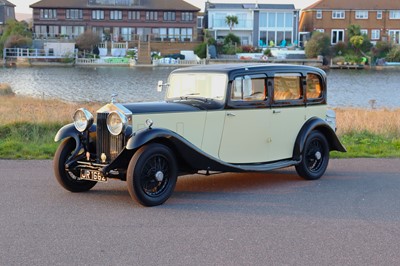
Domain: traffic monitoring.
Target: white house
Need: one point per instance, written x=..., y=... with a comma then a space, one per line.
x=258, y=24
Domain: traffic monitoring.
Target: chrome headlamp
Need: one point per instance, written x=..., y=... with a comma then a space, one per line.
x=116, y=122
x=83, y=119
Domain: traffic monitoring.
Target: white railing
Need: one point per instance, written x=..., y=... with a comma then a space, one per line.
x=35, y=53
x=171, y=61
x=105, y=61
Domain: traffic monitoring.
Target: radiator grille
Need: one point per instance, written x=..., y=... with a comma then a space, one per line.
x=107, y=143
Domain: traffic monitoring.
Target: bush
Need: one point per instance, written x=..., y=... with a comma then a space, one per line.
x=340, y=48
x=319, y=44
x=267, y=52
x=381, y=49
x=201, y=50
x=394, y=54
x=232, y=39
x=231, y=49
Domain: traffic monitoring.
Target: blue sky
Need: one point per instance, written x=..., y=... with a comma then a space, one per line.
x=22, y=6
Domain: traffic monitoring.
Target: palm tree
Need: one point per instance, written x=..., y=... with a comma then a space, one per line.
x=231, y=21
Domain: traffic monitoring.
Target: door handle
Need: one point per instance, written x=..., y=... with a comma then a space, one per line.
x=276, y=112
x=230, y=114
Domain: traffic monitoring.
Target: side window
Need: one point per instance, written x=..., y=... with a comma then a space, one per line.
x=314, y=90
x=247, y=88
x=287, y=87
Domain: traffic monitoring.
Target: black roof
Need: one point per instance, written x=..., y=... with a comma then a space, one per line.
x=232, y=69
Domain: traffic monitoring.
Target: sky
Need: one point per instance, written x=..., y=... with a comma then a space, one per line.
x=22, y=6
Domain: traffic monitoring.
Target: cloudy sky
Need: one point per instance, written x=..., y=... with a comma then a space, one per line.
x=22, y=6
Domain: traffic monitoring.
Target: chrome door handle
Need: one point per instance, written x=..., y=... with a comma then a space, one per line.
x=230, y=114
x=276, y=112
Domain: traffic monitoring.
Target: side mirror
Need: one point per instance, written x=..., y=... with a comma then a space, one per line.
x=160, y=86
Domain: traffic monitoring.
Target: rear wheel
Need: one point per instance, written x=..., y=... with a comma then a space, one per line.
x=315, y=157
x=152, y=174
x=68, y=179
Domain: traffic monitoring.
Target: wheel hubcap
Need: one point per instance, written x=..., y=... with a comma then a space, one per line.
x=318, y=155
x=159, y=176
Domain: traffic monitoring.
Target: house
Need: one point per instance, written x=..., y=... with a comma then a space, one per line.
x=258, y=25
x=378, y=19
x=118, y=20
x=6, y=12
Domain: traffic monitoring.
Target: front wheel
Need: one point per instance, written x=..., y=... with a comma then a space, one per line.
x=152, y=174
x=315, y=157
x=68, y=179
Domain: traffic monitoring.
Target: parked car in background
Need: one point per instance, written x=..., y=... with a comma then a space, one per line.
x=215, y=118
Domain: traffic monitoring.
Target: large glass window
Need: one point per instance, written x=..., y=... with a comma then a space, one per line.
x=116, y=15
x=169, y=16
x=375, y=34
x=361, y=14
x=187, y=16
x=151, y=15
x=337, y=36
x=338, y=14
x=98, y=14
x=394, y=14
x=48, y=13
x=74, y=14
x=133, y=15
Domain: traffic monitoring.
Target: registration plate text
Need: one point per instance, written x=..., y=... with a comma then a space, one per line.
x=92, y=175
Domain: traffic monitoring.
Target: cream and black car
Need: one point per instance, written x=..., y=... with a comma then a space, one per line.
x=215, y=118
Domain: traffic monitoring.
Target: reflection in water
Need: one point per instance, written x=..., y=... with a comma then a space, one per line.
x=357, y=88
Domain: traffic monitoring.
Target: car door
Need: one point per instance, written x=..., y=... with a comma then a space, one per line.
x=245, y=137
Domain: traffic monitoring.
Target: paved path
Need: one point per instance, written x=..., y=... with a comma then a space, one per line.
x=349, y=217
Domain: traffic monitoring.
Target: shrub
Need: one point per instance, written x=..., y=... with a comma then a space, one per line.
x=231, y=39
x=319, y=44
x=267, y=52
x=394, y=54
x=201, y=50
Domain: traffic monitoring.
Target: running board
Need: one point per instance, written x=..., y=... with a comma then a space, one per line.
x=266, y=166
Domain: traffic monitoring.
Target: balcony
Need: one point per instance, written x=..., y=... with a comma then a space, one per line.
x=242, y=25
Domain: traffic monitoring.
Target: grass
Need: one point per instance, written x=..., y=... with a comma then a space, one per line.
x=28, y=127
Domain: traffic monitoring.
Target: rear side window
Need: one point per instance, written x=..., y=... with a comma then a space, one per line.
x=287, y=87
x=314, y=88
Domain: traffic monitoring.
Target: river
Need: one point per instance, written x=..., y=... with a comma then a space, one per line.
x=346, y=88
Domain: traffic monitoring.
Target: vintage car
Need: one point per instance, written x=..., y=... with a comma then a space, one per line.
x=215, y=118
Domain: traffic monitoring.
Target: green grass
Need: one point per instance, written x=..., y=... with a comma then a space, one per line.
x=368, y=145
x=28, y=140
x=36, y=141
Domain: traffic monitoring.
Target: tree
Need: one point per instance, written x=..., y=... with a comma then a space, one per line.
x=319, y=44
x=231, y=21
x=87, y=41
x=15, y=34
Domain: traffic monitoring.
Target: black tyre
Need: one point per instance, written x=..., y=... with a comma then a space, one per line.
x=68, y=179
x=315, y=157
x=152, y=174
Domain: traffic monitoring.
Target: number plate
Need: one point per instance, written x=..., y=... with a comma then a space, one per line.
x=92, y=175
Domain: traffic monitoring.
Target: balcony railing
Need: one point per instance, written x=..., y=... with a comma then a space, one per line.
x=243, y=24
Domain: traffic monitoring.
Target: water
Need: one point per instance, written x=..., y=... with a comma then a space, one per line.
x=346, y=88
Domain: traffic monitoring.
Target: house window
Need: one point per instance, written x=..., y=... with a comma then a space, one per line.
x=98, y=14
x=364, y=32
x=375, y=34
x=151, y=15
x=187, y=16
x=74, y=14
x=379, y=15
x=320, y=30
x=319, y=14
x=338, y=14
x=169, y=16
x=133, y=15
x=337, y=36
x=116, y=15
x=199, y=22
x=48, y=13
x=361, y=14
x=394, y=14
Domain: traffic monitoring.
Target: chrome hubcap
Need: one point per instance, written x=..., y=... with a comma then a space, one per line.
x=159, y=176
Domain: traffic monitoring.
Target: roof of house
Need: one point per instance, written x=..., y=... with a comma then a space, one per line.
x=249, y=6
x=146, y=5
x=6, y=3
x=355, y=5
